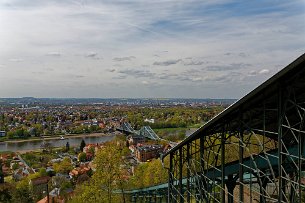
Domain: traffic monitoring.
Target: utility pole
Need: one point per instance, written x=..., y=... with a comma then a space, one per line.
x=1, y=173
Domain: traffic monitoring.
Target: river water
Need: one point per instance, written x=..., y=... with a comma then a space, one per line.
x=36, y=144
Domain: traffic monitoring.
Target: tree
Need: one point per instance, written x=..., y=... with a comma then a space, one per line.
x=65, y=166
x=150, y=173
x=91, y=150
x=15, y=166
x=82, y=178
x=10, y=135
x=63, y=188
x=47, y=146
x=82, y=157
x=67, y=147
x=62, y=183
x=58, y=181
x=109, y=176
x=42, y=172
x=6, y=192
x=22, y=193
x=108, y=161
x=82, y=145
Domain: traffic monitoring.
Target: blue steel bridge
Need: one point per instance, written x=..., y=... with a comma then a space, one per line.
x=254, y=151
x=145, y=131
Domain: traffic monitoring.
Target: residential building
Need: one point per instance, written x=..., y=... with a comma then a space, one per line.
x=2, y=133
x=135, y=139
x=147, y=152
x=151, y=120
x=40, y=185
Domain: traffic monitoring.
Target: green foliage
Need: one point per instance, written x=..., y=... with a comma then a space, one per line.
x=38, y=159
x=10, y=134
x=172, y=117
x=65, y=166
x=64, y=186
x=15, y=166
x=120, y=137
x=82, y=145
x=6, y=191
x=92, y=150
x=23, y=193
x=43, y=172
x=109, y=176
x=62, y=183
x=171, y=134
x=89, y=192
x=82, y=157
x=36, y=130
x=83, y=178
x=148, y=174
x=22, y=125
x=85, y=129
x=58, y=181
x=18, y=133
x=29, y=156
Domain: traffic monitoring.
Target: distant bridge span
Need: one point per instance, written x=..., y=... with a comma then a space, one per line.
x=126, y=128
x=145, y=131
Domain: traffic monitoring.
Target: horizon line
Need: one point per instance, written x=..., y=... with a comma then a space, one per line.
x=113, y=98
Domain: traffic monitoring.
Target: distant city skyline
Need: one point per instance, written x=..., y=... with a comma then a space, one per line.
x=145, y=49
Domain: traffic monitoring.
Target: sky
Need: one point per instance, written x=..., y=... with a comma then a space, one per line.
x=145, y=49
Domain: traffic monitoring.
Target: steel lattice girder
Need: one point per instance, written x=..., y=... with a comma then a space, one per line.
x=264, y=131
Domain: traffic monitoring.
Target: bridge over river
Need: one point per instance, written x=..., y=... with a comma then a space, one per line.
x=145, y=131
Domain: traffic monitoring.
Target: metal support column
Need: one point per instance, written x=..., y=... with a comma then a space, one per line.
x=223, y=192
x=188, y=197
x=241, y=160
x=279, y=117
x=202, y=193
x=300, y=157
x=262, y=198
x=180, y=175
x=231, y=183
x=170, y=178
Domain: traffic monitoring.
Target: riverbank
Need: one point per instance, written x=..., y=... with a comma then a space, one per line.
x=36, y=144
x=34, y=150
x=58, y=137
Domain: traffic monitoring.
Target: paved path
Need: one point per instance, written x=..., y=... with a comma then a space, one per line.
x=21, y=159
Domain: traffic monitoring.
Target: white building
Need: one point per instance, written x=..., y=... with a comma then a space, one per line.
x=149, y=120
x=2, y=133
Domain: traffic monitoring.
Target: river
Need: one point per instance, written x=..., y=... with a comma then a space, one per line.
x=36, y=144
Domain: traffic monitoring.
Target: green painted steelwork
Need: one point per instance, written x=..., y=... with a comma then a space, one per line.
x=254, y=151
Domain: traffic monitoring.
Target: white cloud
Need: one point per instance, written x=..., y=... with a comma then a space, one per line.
x=111, y=70
x=173, y=42
x=53, y=54
x=252, y=73
x=128, y=58
x=91, y=54
x=264, y=71
x=167, y=63
x=196, y=79
x=16, y=60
